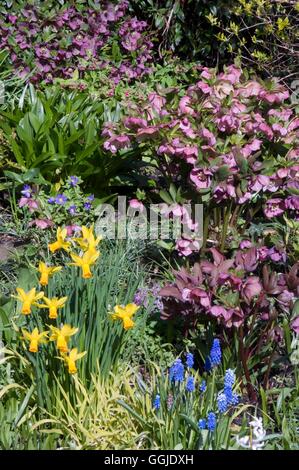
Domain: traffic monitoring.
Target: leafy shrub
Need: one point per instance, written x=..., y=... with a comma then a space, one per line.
x=229, y=142
x=262, y=34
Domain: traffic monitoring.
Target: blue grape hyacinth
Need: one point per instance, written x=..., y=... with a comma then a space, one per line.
x=176, y=372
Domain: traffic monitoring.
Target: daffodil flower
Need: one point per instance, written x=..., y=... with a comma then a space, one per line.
x=53, y=305
x=46, y=272
x=35, y=339
x=28, y=299
x=88, y=242
x=71, y=358
x=84, y=262
x=62, y=336
x=125, y=314
x=60, y=242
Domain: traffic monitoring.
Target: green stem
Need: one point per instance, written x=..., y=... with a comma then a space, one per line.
x=226, y=218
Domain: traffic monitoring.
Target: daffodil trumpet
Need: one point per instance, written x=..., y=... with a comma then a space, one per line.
x=28, y=299
x=46, y=272
x=36, y=338
x=125, y=313
x=53, y=305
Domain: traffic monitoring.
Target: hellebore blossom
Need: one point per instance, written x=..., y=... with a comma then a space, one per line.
x=274, y=208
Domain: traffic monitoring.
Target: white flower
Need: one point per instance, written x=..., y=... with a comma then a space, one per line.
x=257, y=436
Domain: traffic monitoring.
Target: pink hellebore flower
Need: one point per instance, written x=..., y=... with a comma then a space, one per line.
x=252, y=88
x=223, y=88
x=184, y=106
x=185, y=247
x=251, y=288
x=260, y=183
x=157, y=103
x=232, y=74
x=42, y=223
x=208, y=136
x=274, y=208
x=201, y=178
x=201, y=296
x=134, y=123
x=72, y=229
x=117, y=142
x=28, y=202
x=147, y=132
x=230, y=317
x=135, y=204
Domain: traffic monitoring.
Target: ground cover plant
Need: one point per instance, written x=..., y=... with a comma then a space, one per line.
x=149, y=282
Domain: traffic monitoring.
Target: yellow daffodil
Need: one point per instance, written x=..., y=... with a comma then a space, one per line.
x=35, y=339
x=71, y=359
x=125, y=314
x=60, y=242
x=53, y=305
x=88, y=242
x=28, y=299
x=46, y=272
x=84, y=262
x=62, y=336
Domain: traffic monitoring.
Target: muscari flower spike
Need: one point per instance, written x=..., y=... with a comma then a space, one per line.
x=157, y=402
x=189, y=360
x=190, y=384
x=176, y=372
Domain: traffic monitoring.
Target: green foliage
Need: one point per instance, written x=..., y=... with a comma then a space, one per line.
x=58, y=132
x=261, y=33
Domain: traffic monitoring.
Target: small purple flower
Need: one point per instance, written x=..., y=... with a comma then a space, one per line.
x=61, y=199
x=87, y=206
x=90, y=198
x=26, y=191
x=73, y=181
x=73, y=210
x=51, y=200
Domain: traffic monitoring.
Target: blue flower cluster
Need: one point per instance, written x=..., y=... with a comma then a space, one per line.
x=190, y=360
x=215, y=356
x=176, y=372
x=209, y=423
x=227, y=397
x=157, y=402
